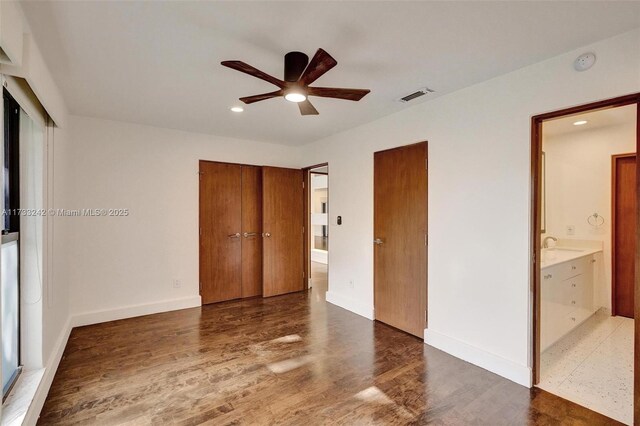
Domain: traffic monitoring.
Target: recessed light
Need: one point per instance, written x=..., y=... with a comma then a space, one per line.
x=580, y=122
x=237, y=109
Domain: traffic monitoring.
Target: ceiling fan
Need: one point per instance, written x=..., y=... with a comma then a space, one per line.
x=299, y=73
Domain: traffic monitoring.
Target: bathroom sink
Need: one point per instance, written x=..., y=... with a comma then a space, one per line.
x=554, y=255
x=563, y=249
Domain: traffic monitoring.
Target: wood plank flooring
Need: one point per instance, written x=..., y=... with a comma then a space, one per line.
x=287, y=360
x=320, y=280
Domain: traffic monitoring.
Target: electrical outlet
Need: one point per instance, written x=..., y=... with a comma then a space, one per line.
x=571, y=229
x=177, y=283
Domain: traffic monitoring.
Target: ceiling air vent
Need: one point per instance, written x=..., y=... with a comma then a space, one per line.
x=416, y=94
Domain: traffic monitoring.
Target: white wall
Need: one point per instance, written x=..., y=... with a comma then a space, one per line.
x=479, y=199
x=122, y=266
x=579, y=184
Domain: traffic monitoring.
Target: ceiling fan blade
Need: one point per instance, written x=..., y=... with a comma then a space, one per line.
x=320, y=64
x=306, y=108
x=262, y=97
x=248, y=69
x=331, y=92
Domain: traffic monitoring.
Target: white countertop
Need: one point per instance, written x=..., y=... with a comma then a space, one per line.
x=556, y=255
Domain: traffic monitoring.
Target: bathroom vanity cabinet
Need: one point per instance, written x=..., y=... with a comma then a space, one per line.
x=567, y=295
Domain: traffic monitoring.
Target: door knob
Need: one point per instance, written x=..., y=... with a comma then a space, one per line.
x=236, y=235
x=378, y=241
x=249, y=234
x=266, y=234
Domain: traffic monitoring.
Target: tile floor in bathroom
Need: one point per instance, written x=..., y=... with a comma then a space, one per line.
x=593, y=366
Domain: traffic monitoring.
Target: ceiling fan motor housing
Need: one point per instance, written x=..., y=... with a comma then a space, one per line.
x=294, y=65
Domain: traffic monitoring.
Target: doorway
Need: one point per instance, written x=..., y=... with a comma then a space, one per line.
x=573, y=240
x=400, y=238
x=317, y=226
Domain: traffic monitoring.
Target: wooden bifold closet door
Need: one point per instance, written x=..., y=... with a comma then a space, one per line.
x=251, y=231
x=230, y=231
x=282, y=224
x=220, y=237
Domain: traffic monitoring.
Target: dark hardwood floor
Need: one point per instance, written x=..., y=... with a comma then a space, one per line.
x=320, y=280
x=291, y=360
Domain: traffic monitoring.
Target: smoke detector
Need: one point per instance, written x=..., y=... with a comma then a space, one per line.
x=584, y=61
x=416, y=94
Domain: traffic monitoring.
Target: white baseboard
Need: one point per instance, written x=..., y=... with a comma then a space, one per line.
x=350, y=305
x=31, y=418
x=96, y=317
x=515, y=372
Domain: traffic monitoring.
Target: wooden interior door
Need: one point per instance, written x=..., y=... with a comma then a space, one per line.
x=282, y=226
x=625, y=212
x=220, y=232
x=400, y=232
x=251, y=231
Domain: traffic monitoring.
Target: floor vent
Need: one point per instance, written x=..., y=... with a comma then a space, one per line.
x=416, y=94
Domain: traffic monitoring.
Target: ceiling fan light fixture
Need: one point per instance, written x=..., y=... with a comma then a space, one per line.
x=295, y=96
x=299, y=74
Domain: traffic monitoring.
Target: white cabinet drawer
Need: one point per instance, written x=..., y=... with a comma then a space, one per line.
x=572, y=290
x=569, y=269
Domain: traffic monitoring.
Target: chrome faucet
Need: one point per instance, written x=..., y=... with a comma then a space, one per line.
x=545, y=242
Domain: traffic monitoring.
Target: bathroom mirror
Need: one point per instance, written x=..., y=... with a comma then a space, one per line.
x=543, y=195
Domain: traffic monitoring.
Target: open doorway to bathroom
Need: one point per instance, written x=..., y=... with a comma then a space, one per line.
x=585, y=244
x=317, y=219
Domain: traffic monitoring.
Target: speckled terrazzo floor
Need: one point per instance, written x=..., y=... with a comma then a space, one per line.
x=593, y=366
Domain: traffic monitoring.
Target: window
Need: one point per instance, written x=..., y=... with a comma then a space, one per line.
x=9, y=280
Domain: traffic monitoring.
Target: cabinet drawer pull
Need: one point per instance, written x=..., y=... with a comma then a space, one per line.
x=573, y=268
x=593, y=261
x=573, y=302
x=573, y=318
x=573, y=284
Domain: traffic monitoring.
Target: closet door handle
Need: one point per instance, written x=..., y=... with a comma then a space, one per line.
x=266, y=234
x=236, y=235
x=249, y=234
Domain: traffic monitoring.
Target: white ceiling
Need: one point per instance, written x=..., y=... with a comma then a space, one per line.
x=158, y=63
x=595, y=120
